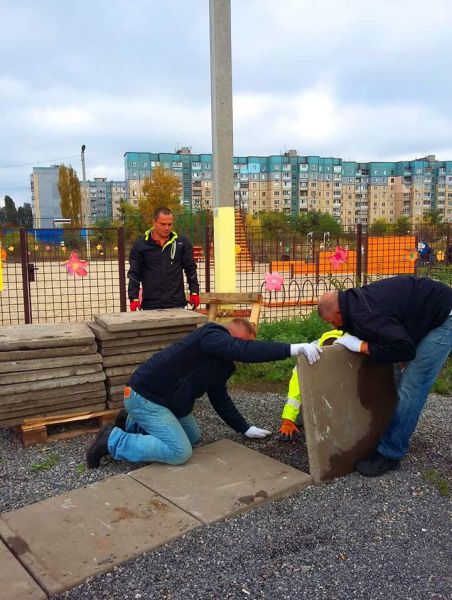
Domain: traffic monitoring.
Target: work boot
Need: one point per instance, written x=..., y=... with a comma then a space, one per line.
x=376, y=464
x=99, y=447
x=121, y=419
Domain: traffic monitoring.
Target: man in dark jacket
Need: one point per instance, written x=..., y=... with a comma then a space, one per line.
x=158, y=261
x=161, y=393
x=404, y=320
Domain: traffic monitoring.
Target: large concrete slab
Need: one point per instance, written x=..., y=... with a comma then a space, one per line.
x=47, y=384
x=140, y=343
x=132, y=358
x=29, y=337
x=44, y=396
x=65, y=539
x=221, y=480
x=109, y=338
x=48, y=352
x=41, y=375
x=93, y=406
x=149, y=319
x=15, y=582
x=37, y=364
x=347, y=404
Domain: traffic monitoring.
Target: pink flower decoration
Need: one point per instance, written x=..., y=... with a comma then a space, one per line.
x=75, y=266
x=273, y=281
x=339, y=257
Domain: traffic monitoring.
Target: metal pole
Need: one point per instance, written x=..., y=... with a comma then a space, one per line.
x=122, y=270
x=86, y=218
x=25, y=281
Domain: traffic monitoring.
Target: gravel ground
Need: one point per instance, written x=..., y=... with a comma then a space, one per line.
x=386, y=538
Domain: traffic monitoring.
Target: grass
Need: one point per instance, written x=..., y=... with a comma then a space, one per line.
x=443, y=385
x=80, y=468
x=51, y=461
x=438, y=480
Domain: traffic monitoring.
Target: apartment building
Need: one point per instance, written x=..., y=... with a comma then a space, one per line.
x=351, y=192
x=45, y=197
x=101, y=198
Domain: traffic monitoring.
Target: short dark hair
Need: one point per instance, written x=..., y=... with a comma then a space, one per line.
x=162, y=210
x=247, y=325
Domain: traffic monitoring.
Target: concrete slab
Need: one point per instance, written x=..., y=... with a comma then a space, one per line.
x=48, y=352
x=348, y=402
x=58, y=373
x=47, y=384
x=65, y=539
x=15, y=582
x=41, y=406
x=52, y=335
x=37, y=364
x=91, y=407
x=132, y=358
x=109, y=338
x=148, y=319
x=140, y=343
x=52, y=395
x=124, y=370
x=222, y=480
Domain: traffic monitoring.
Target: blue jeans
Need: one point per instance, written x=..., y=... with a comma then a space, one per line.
x=413, y=384
x=153, y=434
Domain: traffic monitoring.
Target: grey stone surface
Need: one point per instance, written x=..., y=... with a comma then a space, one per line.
x=61, y=382
x=53, y=335
x=347, y=404
x=108, y=338
x=132, y=358
x=49, y=395
x=123, y=370
x=67, y=538
x=149, y=319
x=58, y=373
x=238, y=479
x=37, y=364
x=48, y=352
x=140, y=343
x=37, y=405
x=15, y=582
x=132, y=346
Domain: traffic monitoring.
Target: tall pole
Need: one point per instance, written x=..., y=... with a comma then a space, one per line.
x=87, y=204
x=222, y=148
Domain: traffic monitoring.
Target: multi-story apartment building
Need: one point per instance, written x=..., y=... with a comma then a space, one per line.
x=351, y=192
x=45, y=197
x=101, y=198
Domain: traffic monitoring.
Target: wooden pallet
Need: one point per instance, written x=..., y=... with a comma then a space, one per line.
x=34, y=430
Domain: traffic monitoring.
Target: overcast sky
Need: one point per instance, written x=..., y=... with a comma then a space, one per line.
x=357, y=79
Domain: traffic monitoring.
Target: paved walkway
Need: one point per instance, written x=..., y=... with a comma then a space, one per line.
x=54, y=545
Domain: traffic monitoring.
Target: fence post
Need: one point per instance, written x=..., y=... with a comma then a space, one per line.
x=207, y=256
x=25, y=283
x=359, y=245
x=122, y=270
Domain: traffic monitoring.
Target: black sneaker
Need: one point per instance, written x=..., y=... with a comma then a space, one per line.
x=99, y=447
x=121, y=419
x=376, y=464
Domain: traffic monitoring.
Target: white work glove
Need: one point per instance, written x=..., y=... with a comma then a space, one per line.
x=350, y=342
x=255, y=432
x=311, y=351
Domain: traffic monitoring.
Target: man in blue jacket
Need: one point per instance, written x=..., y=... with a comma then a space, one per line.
x=161, y=393
x=404, y=320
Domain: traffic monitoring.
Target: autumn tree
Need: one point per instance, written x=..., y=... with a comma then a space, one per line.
x=161, y=188
x=70, y=194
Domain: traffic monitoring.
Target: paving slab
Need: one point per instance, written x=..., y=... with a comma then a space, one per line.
x=141, y=343
x=36, y=364
x=47, y=384
x=41, y=375
x=109, y=338
x=77, y=401
x=44, y=396
x=147, y=319
x=94, y=406
x=29, y=337
x=15, y=582
x=68, y=538
x=124, y=370
x=221, y=480
x=132, y=358
x=348, y=402
x=48, y=352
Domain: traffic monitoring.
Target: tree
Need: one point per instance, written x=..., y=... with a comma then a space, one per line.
x=402, y=226
x=378, y=227
x=161, y=188
x=25, y=216
x=10, y=212
x=132, y=220
x=70, y=194
x=433, y=217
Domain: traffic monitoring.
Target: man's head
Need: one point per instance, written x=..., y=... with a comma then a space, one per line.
x=329, y=310
x=241, y=328
x=163, y=222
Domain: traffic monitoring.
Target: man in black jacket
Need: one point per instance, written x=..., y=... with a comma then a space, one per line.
x=161, y=393
x=158, y=261
x=404, y=320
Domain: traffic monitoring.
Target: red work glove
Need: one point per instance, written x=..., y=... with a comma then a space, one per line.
x=194, y=300
x=288, y=431
x=135, y=305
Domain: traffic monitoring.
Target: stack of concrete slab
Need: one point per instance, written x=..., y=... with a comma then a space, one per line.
x=127, y=340
x=49, y=370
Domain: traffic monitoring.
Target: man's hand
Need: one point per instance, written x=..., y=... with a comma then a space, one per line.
x=288, y=431
x=350, y=342
x=255, y=432
x=135, y=305
x=311, y=351
x=194, y=300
